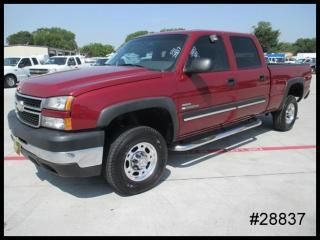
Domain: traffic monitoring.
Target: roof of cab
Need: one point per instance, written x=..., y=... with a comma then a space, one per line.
x=198, y=32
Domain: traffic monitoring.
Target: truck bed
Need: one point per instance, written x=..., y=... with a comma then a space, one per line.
x=280, y=74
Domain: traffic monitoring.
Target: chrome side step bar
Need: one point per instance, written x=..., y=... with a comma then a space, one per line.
x=204, y=141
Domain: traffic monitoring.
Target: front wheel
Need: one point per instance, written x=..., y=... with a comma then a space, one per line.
x=284, y=119
x=10, y=81
x=136, y=160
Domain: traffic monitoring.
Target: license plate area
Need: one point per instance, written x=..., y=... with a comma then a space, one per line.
x=16, y=145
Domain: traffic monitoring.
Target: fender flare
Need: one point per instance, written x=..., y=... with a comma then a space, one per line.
x=11, y=73
x=292, y=81
x=111, y=112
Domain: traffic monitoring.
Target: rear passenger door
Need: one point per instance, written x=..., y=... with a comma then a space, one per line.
x=251, y=76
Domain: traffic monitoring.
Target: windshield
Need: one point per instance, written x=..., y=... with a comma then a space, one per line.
x=56, y=60
x=158, y=53
x=11, y=61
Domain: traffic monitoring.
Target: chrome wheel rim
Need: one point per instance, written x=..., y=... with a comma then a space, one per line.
x=290, y=113
x=140, y=162
x=10, y=81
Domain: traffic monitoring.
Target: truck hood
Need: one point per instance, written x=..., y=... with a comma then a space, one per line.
x=76, y=82
x=9, y=68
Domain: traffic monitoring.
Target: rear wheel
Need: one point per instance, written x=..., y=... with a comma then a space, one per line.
x=284, y=119
x=136, y=160
x=10, y=81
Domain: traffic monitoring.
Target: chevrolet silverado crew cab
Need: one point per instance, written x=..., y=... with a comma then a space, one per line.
x=56, y=64
x=16, y=69
x=177, y=91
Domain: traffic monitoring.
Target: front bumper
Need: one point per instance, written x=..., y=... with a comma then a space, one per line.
x=72, y=154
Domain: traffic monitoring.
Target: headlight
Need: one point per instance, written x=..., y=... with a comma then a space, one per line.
x=56, y=123
x=58, y=103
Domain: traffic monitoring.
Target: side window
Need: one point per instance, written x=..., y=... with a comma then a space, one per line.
x=245, y=52
x=71, y=62
x=25, y=62
x=35, y=61
x=78, y=61
x=205, y=48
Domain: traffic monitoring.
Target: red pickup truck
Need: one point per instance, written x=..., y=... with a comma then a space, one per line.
x=177, y=90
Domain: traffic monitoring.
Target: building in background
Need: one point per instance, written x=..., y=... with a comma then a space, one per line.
x=306, y=55
x=38, y=51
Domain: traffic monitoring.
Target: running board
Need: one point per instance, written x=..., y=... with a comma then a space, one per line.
x=200, y=142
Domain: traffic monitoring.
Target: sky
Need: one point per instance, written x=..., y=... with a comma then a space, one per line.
x=111, y=23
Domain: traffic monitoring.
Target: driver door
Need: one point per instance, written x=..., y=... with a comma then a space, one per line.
x=204, y=97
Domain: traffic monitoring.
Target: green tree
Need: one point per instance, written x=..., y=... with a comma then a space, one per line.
x=171, y=29
x=284, y=47
x=305, y=45
x=96, y=50
x=55, y=37
x=267, y=36
x=135, y=34
x=22, y=37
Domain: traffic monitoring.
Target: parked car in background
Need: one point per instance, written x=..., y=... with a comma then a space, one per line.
x=16, y=69
x=290, y=60
x=100, y=61
x=56, y=64
x=299, y=61
x=312, y=63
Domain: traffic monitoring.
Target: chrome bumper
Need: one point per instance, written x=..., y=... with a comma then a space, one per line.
x=83, y=158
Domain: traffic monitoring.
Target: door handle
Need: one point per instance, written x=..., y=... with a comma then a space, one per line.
x=262, y=78
x=231, y=82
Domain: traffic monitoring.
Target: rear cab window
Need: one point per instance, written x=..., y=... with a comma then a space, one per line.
x=245, y=52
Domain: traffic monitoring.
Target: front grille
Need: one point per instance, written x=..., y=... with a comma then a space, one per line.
x=34, y=71
x=28, y=109
x=30, y=102
x=29, y=118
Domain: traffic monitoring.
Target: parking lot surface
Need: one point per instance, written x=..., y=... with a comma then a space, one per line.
x=204, y=192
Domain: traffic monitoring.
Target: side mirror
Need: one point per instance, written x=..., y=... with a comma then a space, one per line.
x=21, y=65
x=198, y=65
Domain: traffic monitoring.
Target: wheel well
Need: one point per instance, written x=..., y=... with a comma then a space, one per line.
x=11, y=74
x=296, y=90
x=157, y=118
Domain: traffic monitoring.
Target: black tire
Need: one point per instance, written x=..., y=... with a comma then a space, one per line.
x=280, y=121
x=313, y=70
x=114, y=169
x=10, y=81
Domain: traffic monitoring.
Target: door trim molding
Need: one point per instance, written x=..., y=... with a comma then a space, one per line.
x=222, y=108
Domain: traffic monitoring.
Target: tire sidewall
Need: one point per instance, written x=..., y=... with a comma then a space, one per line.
x=290, y=99
x=6, y=81
x=119, y=156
